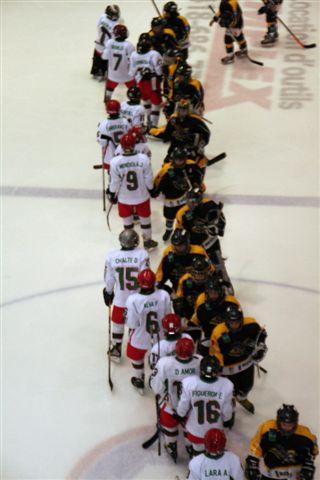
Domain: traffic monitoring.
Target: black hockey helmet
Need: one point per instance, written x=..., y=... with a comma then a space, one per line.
x=194, y=197
x=157, y=22
x=112, y=12
x=144, y=43
x=184, y=71
x=181, y=241
x=120, y=32
x=209, y=368
x=214, y=289
x=171, y=9
x=287, y=414
x=232, y=315
x=200, y=268
x=134, y=94
x=171, y=56
x=129, y=239
x=179, y=156
x=183, y=108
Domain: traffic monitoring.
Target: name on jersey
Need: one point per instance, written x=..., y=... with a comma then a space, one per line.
x=216, y=473
x=131, y=164
x=117, y=47
x=185, y=371
x=201, y=393
x=115, y=127
x=126, y=260
x=150, y=304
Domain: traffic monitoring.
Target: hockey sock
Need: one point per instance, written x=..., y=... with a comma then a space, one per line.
x=170, y=434
x=155, y=114
x=169, y=224
x=138, y=367
x=241, y=42
x=117, y=332
x=145, y=223
x=128, y=222
x=108, y=95
x=147, y=106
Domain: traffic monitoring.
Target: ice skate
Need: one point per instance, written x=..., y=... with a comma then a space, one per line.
x=115, y=353
x=172, y=450
x=242, y=53
x=166, y=236
x=150, y=244
x=247, y=405
x=138, y=383
x=228, y=59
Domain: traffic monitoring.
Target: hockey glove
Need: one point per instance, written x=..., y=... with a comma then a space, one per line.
x=154, y=193
x=108, y=297
x=260, y=352
x=111, y=196
x=252, y=468
x=262, y=10
x=229, y=423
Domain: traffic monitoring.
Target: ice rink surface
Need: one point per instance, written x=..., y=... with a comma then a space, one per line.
x=59, y=418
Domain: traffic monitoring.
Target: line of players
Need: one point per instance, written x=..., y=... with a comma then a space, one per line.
x=200, y=292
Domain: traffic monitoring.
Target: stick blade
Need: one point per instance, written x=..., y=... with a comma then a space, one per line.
x=311, y=45
x=151, y=440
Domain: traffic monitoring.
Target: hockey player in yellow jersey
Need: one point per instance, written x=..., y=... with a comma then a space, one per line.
x=239, y=342
x=177, y=259
x=282, y=448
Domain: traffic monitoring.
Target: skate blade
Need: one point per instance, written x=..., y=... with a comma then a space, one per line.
x=115, y=360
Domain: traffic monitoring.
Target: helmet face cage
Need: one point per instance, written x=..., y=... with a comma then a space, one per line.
x=146, y=279
x=120, y=32
x=215, y=441
x=184, y=71
x=179, y=156
x=185, y=348
x=194, y=197
x=134, y=93
x=171, y=323
x=287, y=414
x=183, y=108
x=200, y=269
x=113, y=107
x=129, y=239
x=113, y=12
x=214, y=289
x=157, y=23
x=233, y=316
x=209, y=368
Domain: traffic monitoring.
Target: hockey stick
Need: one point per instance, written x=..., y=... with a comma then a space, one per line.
x=256, y=62
x=109, y=349
x=103, y=187
x=97, y=167
x=156, y=7
x=299, y=42
x=216, y=159
x=108, y=215
x=151, y=440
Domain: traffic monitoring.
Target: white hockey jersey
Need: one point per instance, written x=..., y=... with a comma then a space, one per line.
x=130, y=178
x=163, y=349
x=118, y=56
x=144, y=314
x=135, y=114
x=210, y=403
x=226, y=467
x=141, y=63
x=109, y=134
x=121, y=272
x=141, y=147
x=169, y=374
x=102, y=38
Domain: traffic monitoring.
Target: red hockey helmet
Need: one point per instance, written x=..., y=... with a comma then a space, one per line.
x=137, y=132
x=171, y=323
x=215, y=441
x=120, y=32
x=128, y=142
x=146, y=279
x=185, y=348
x=113, y=107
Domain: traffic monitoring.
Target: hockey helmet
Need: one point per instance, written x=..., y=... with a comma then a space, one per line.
x=144, y=43
x=200, y=268
x=287, y=419
x=129, y=239
x=146, y=279
x=215, y=441
x=137, y=132
x=209, y=368
x=134, y=94
x=170, y=9
x=120, y=32
x=179, y=156
x=157, y=24
x=194, y=197
x=184, y=108
x=185, y=348
x=171, y=323
x=214, y=289
x=128, y=142
x=181, y=241
x=113, y=12
x=113, y=107
x=170, y=56
x=232, y=315
x=183, y=72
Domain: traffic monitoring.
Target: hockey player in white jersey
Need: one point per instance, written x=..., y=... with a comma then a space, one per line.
x=216, y=463
x=171, y=325
x=209, y=399
x=131, y=181
x=146, y=67
x=141, y=145
x=166, y=379
x=105, y=26
x=132, y=110
x=117, y=52
x=143, y=316
x=121, y=271
x=110, y=132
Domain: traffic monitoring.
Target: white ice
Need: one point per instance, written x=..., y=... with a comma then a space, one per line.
x=59, y=418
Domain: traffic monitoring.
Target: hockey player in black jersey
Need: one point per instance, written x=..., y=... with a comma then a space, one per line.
x=270, y=8
x=179, y=24
x=174, y=180
x=177, y=259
